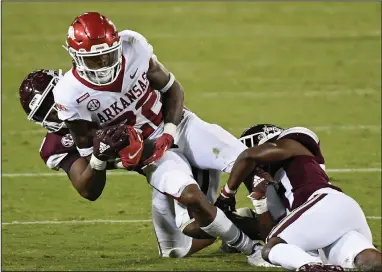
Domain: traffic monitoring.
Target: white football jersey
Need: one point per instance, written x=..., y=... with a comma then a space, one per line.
x=129, y=99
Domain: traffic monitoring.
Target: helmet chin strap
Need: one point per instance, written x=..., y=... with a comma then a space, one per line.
x=95, y=76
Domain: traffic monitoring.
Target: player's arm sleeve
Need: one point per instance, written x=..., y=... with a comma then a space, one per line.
x=67, y=113
x=50, y=153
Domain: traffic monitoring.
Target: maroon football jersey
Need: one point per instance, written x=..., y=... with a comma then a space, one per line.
x=56, y=146
x=301, y=176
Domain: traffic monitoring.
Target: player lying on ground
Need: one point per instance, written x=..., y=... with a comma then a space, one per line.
x=59, y=152
x=321, y=216
x=116, y=78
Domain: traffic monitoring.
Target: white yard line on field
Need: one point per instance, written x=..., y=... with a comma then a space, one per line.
x=315, y=128
x=374, y=128
x=95, y=221
x=346, y=127
x=123, y=173
x=353, y=170
x=55, y=174
x=269, y=94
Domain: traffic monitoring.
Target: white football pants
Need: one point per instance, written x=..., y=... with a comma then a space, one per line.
x=331, y=222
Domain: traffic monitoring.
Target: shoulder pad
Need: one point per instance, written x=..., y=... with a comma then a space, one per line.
x=65, y=90
x=299, y=130
x=133, y=37
x=306, y=137
x=66, y=94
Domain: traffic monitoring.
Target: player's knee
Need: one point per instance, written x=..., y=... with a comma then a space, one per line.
x=269, y=245
x=369, y=260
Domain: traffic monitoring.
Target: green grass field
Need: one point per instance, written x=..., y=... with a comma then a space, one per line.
x=309, y=64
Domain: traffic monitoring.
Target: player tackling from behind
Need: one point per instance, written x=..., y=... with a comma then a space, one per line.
x=117, y=79
x=321, y=216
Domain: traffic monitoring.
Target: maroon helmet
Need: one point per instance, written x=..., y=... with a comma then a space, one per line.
x=94, y=44
x=36, y=98
x=259, y=134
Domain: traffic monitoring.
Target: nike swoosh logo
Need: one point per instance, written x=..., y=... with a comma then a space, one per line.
x=133, y=75
x=135, y=154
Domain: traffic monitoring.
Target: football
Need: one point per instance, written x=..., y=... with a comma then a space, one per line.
x=259, y=184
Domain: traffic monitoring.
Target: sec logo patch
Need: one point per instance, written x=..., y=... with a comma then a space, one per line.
x=93, y=105
x=67, y=140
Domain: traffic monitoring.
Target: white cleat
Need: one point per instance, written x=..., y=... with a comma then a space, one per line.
x=255, y=258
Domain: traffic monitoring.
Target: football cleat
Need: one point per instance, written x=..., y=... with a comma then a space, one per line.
x=319, y=267
x=255, y=259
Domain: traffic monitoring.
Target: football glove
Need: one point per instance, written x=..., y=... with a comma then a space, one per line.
x=131, y=154
x=108, y=141
x=160, y=147
x=226, y=200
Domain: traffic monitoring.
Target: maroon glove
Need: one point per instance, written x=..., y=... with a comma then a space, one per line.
x=260, y=182
x=160, y=147
x=108, y=141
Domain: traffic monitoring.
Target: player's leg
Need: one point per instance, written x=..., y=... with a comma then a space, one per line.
x=208, y=181
x=172, y=175
x=355, y=247
x=316, y=224
x=353, y=250
x=208, y=146
x=171, y=241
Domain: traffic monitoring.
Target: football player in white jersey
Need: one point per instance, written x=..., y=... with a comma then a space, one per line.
x=116, y=79
x=58, y=151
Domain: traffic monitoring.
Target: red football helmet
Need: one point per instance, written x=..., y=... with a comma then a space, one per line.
x=93, y=43
x=36, y=98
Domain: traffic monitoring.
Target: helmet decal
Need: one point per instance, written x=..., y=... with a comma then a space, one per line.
x=71, y=33
x=259, y=134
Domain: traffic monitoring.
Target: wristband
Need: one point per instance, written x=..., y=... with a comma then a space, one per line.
x=169, y=128
x=97, y=164
x=226, y=191
x=171, y=81
x=260, y=205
